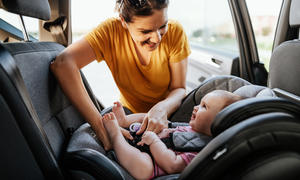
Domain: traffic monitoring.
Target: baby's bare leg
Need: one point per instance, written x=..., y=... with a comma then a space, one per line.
x=123, y=120
x=137, y=163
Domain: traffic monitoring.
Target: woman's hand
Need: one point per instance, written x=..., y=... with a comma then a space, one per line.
x=155, y=121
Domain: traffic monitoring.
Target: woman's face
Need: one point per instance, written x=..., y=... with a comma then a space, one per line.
x=147, y=31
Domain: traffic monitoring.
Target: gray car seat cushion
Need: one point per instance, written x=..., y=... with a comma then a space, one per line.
x=189, y=141
x=55, y=112
x=285, y=67
x=84, y=139
x=225, y=82
x=254, y=91
x=294, y=18
x=168, y=177
x=228, y=83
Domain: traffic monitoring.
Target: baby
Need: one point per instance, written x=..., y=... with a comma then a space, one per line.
x=166, y=161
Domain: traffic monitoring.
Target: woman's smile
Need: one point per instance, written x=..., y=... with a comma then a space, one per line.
x=152, y=45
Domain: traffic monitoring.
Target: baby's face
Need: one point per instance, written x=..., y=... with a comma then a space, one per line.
x=205, y=112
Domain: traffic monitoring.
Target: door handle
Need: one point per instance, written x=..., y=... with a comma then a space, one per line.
x=216, y=61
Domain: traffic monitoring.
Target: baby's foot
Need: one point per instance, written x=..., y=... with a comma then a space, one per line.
x=120, y=114
x=111, y=125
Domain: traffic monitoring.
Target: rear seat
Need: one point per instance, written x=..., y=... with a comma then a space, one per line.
x=37, y=120
x=53, y=110
x=35, y=133
x=41, y=111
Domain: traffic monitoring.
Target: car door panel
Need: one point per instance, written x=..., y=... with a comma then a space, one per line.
x=205, y=63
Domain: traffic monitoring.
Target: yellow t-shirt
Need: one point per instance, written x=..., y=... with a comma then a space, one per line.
x=140, y=86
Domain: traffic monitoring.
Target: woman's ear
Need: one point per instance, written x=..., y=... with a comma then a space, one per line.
x=123, y=22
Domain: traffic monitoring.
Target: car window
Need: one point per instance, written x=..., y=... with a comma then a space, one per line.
x=208, y=23
x=32, y=24
x=264, y=22
x=86, y=15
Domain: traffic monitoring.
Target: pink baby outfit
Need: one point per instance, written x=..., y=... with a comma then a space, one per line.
x=186, y=156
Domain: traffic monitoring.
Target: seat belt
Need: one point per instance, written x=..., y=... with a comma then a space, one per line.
x=57, y=29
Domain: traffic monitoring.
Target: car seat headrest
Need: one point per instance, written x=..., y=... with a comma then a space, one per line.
x=228, y=83
x=254, y=91
x=33, y=8
x=294, y=14
x=241, y=110
x=285, y=67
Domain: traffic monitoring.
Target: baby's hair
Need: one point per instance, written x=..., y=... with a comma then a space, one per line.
x=230, y=97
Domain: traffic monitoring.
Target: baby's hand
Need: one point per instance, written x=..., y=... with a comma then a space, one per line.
x=126, y=133
x=147, y=138
x=165, y=133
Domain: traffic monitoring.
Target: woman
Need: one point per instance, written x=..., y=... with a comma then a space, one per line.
x=147, y=56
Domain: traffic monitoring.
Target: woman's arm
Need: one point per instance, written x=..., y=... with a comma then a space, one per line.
x=156, y=119
x=177, y=86
x=66, y=69
x=164, y=157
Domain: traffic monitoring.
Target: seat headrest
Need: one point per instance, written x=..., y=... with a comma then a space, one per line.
x=295, y=14
x=33, y=8
x=248, y=91
x=285, y=67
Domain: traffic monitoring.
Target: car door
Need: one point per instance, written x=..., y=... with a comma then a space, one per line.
x=223, y=40
x=210, y=30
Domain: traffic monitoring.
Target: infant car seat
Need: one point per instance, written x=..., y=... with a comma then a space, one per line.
x=192, y=141
x=83, y=149
x=226, y=82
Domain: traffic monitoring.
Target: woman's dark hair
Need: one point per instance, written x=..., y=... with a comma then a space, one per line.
x=129, y=8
